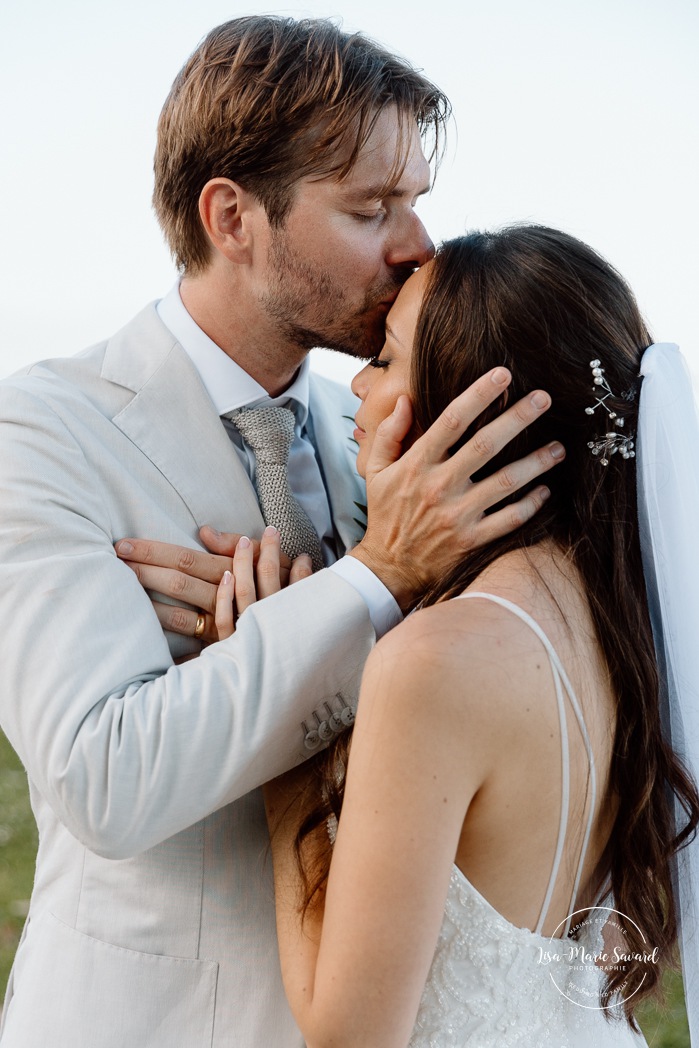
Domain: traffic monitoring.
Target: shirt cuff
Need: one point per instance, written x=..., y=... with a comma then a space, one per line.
x=383, y=609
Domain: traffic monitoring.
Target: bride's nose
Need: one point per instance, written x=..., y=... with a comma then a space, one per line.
x=360, y=383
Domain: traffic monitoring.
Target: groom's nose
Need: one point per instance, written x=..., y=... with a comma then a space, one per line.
x=412, y=246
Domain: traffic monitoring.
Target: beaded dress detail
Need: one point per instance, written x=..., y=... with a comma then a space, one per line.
x=494, y=985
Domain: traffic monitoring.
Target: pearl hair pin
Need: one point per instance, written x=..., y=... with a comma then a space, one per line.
x=612, y=441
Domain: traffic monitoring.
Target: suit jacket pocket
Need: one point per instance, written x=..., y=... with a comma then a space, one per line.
x=73, y=991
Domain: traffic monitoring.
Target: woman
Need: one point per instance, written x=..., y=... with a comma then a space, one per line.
x=507, y=768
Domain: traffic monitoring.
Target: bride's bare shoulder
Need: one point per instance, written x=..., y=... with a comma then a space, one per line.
x=471, y=624
x=472, y=650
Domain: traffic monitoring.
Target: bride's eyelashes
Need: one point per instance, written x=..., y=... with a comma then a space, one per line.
x=377, y=362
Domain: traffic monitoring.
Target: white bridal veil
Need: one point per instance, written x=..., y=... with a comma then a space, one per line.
x=668, y=490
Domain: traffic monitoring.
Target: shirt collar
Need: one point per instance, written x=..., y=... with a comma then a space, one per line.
x=228, y=385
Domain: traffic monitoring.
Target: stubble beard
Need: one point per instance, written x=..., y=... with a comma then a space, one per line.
x=299, y=289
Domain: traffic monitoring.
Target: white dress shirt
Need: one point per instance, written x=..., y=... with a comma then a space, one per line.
x=230, y=387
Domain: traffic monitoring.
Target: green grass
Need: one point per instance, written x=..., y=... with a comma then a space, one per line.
x=18, y=842
x=666, y=1028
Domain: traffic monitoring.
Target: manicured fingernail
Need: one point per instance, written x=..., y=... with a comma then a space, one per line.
x=270, y=530
x=540, y=400
x=226, y=580
x=124, y=549
x=557, y=450
x=244, y=542
x=544, y=494
x=499, y=376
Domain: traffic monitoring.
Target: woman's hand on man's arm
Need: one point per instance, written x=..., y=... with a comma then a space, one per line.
x=195, y=577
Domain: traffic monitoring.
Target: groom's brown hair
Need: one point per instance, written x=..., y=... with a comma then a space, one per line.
x=265, y=101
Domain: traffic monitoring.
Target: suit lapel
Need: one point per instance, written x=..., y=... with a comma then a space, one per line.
x=337, y=452
x=173, y=422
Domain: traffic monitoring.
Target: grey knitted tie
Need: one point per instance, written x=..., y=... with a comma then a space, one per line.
x=269, y=431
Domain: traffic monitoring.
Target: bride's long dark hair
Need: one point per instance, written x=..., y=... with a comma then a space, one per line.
x=544, y=304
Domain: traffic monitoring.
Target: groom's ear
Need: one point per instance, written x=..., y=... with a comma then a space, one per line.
x=230, y=216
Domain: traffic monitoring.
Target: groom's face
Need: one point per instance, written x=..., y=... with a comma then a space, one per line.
x=347, y=247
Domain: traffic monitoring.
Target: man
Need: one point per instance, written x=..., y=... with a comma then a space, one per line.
x=287, y=168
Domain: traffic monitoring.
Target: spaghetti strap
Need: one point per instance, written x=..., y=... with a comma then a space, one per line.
x=561, y=683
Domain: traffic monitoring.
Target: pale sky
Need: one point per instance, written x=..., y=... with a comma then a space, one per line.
x=581, y=115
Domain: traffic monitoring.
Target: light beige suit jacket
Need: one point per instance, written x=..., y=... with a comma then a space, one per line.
x=152, y=919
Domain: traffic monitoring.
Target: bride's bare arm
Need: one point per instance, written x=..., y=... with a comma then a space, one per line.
x=355, y=971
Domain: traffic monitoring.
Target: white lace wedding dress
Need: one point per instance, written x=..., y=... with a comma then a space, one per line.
x=490, y=985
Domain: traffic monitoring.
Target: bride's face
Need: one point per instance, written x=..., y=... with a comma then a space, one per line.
x=387, y=376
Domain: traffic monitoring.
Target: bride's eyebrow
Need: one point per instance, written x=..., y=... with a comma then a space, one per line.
x=391, y=332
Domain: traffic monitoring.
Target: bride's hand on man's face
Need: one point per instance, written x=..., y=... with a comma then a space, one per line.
x=193, y=577
x=248, y=582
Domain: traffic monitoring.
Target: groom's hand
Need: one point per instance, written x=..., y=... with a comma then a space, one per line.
x=424, y=511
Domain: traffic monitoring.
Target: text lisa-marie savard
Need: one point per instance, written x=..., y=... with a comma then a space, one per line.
x=582, y=956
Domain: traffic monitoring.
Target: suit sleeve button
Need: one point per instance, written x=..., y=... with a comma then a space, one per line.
x=325, y=731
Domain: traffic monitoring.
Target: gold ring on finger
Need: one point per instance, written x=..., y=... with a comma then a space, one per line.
x=200, y=626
